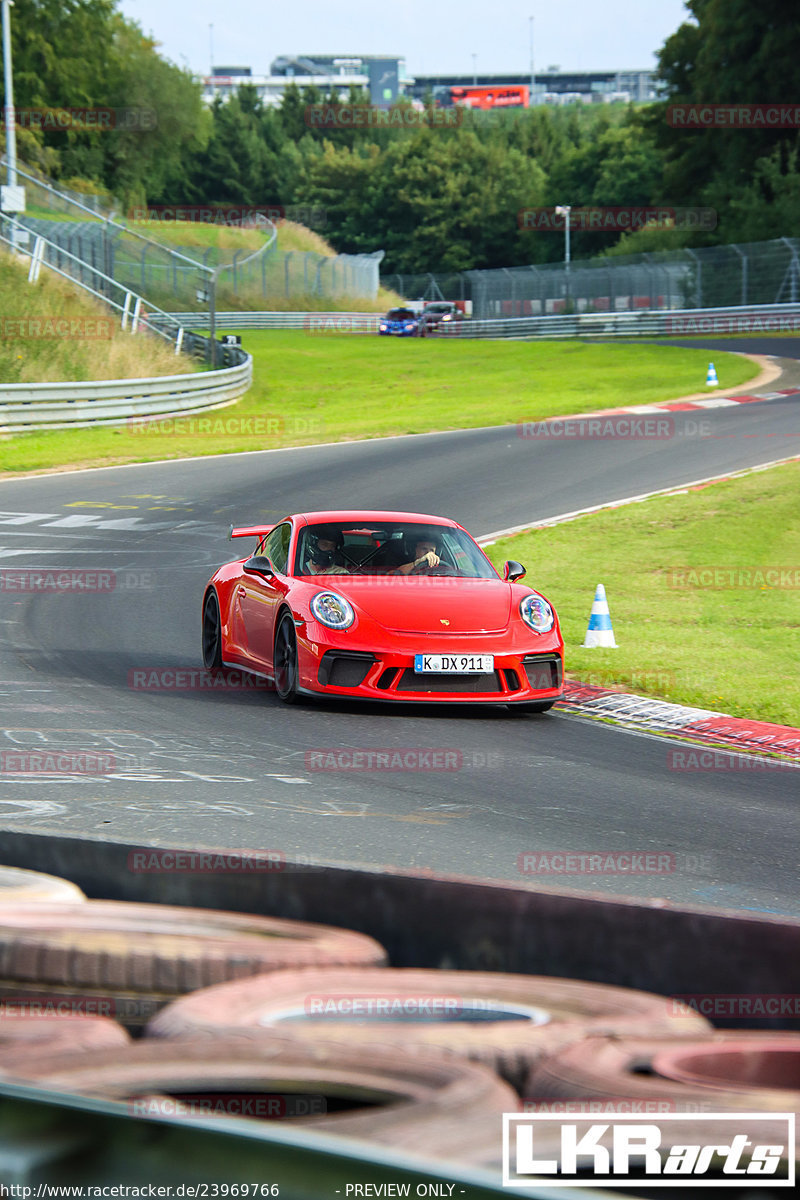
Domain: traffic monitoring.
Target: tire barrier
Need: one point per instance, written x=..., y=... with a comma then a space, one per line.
x=445, y=1108
x=18, y=885
x=507, y=1022
x=29, y=1037
x=139, y=956
x=751, y=1070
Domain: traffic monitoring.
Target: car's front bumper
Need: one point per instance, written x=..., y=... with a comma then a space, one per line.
x=389, y=675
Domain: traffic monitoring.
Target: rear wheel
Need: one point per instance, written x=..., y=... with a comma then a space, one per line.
x=212, y=633
x=284, y=662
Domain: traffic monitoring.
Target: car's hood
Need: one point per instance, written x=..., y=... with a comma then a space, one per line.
x=438, y=604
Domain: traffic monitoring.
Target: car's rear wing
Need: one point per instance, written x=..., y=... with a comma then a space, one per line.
x=259, y=531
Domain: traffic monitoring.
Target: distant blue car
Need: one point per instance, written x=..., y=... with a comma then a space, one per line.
x=401, y=322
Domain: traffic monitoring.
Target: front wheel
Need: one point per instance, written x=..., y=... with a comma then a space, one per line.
x=212, y=633
x=284, y=663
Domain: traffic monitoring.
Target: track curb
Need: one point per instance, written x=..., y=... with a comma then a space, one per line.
x=773, y=744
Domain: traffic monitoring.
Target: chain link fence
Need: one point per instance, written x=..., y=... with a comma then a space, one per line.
x=711, y=277
x=257, y=276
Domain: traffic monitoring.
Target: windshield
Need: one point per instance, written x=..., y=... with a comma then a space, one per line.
x=391, y=548
x=400, y=314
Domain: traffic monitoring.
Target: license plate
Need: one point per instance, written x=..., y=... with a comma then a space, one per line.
x=453, y=664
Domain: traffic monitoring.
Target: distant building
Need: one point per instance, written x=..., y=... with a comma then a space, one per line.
x=553, y=86
x=385, y=78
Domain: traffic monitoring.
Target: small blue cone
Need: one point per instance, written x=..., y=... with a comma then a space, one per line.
x=711, y=377
x=600, y=631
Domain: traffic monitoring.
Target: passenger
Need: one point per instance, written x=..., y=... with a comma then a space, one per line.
x=322, y=560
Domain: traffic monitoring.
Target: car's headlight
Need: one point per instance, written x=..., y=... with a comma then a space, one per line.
x=537, y=614
x=332, y=610
x=384, y=326
x=447, y=317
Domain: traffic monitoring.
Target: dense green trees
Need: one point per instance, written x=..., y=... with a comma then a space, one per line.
x=434, y=198
x=734, y=52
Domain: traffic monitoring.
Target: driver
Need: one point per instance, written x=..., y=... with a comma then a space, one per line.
x=324, y=543
x=425, y=558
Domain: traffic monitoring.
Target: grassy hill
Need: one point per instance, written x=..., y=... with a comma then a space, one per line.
x=196, y=239
x=53, y=331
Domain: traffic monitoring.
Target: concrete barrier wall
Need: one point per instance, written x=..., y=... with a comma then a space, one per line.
x=429, y=921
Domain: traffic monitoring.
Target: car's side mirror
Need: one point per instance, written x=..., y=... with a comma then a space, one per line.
x=513, y=571
x=259, y=564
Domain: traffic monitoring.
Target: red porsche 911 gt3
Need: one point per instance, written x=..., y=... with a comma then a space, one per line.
x=382, y=606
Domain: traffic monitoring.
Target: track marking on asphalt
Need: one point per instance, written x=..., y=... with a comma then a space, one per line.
x=488, y=539
x=359, y=808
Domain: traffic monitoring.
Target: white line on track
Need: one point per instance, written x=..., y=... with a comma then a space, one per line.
x=489, y=539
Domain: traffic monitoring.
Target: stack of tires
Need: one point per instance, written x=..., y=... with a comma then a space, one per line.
x=256, y=1017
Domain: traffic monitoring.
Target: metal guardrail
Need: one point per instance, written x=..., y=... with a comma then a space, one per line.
x=27, y=406
x=316, y=322
x=765, y=318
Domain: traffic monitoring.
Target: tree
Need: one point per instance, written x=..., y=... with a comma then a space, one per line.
x=732, y=52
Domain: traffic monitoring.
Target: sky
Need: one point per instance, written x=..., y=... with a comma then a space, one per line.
x=432, y=36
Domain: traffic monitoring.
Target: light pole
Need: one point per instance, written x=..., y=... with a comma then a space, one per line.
x=563, y=210
x=474, y=70
x=533, y=76
x=11, y=125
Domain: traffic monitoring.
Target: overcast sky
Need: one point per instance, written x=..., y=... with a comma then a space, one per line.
x=432, y=35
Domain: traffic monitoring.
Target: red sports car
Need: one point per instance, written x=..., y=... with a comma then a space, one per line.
x=382, y=606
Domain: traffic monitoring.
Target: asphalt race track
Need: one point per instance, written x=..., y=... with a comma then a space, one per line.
x=237, y=769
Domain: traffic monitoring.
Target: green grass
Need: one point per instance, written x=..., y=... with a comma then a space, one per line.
x=53, y=331
x=343, y=387
x=734, y=647
x=339, y=387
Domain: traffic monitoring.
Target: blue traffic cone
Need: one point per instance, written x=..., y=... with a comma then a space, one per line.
x=711, y=377
x=600, y=631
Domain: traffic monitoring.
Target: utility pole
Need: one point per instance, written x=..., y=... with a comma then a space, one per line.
x=563, y=210
x=11, y=121
x=533, y=75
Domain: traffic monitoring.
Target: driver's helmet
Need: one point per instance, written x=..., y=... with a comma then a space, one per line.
x=324, y=533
